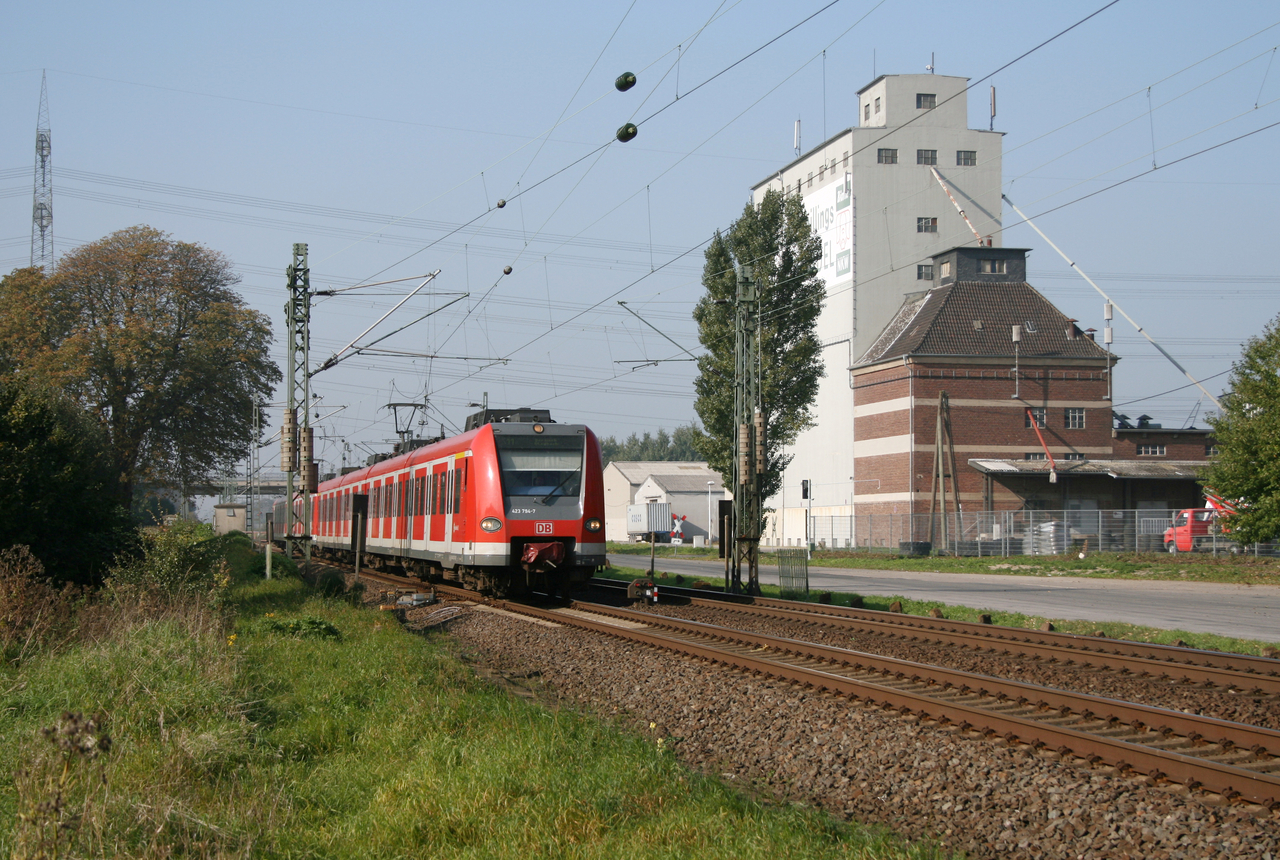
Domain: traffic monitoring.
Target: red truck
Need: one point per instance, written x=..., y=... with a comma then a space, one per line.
x=1195, y=528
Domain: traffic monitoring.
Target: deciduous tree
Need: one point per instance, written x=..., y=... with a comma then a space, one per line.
x=147, y=334
x=776, y=240
x=1247, y=433
x=678, y=445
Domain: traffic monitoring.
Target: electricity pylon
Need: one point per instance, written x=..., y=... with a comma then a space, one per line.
x=42, y=203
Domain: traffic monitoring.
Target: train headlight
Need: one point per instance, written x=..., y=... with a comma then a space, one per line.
x=491, y=524
x=593, y=525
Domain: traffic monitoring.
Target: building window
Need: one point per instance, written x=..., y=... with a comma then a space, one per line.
x=924, y=272
x=1072, y=456
x=991, y=267
x=926, y=101
x=810, y=180
x=926, y=156
x=822, y=171
x=966, y=158
x=1034, y=455
x=846, y=159
x=1210, y=450
x=877, y=105
x=866, y=112
x=1150, y=450
x=926, y=225
x=887, y=156
x=1073, y=418
x=946, y=268
x=1036, y=412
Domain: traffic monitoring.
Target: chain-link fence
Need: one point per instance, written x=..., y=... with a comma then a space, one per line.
x=1005, y=533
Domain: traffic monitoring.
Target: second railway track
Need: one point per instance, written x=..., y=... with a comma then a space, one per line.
x=1237, y=672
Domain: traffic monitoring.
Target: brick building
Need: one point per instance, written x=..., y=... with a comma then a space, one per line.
x=957, y=340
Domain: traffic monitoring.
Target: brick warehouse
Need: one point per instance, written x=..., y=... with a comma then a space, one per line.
x=958, y=338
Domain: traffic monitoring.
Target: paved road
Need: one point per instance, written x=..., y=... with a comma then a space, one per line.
x=1243, y=611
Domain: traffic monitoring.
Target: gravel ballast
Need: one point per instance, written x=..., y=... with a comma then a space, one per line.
x=924, y=781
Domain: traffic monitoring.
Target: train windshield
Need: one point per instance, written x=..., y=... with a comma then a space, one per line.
x=540, y=465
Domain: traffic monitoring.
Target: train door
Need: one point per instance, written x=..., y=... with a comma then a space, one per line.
x=439, y=472
x=419, y=504
x=403, y=511
x=384, y=515
x=461, y=502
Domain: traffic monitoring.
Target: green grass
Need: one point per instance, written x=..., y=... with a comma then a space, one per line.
x=308, y=727
x=1113, y=629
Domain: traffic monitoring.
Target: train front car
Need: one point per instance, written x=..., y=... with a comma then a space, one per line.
x=543, y=511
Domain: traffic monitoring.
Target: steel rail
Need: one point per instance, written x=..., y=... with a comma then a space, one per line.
x=1186, y=725
x=1229, y=780
x=1261, y=671
x=1062, y=656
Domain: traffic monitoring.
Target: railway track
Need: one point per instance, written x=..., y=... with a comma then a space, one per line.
x=1243, y=673
x=1230, y=759
x=1233, y=760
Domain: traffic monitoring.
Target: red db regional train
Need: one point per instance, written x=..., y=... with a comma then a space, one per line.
x=515, y=503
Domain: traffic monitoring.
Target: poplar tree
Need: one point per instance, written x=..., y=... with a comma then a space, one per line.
x=775, y=238
x=1246, y=468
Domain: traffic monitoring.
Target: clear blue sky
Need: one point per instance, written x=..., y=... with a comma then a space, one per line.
x=372, y=132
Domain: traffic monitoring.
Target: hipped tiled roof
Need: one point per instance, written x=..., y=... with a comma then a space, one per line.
x=975, y=319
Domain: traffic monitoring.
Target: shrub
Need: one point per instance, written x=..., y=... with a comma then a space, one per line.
x=32, y=611
x=306, y=627
x=282, y=567
x=331, y=583
x=180, y=560
x=55, y=483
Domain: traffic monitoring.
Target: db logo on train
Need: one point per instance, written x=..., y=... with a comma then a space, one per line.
x=542, y=528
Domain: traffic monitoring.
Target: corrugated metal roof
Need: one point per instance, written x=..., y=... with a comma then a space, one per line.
x=636, y=471
x=973, y=318
x=690, y=483
x=1125, y=469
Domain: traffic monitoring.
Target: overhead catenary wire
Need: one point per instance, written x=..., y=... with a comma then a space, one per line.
x=1103, y=293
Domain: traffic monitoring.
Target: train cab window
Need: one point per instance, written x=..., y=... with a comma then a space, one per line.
x=544, y=466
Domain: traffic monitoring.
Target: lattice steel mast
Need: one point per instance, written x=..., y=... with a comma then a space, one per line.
x=296, y=442
x=42, y=203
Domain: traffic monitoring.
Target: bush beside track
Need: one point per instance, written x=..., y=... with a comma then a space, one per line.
x=193, y=708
